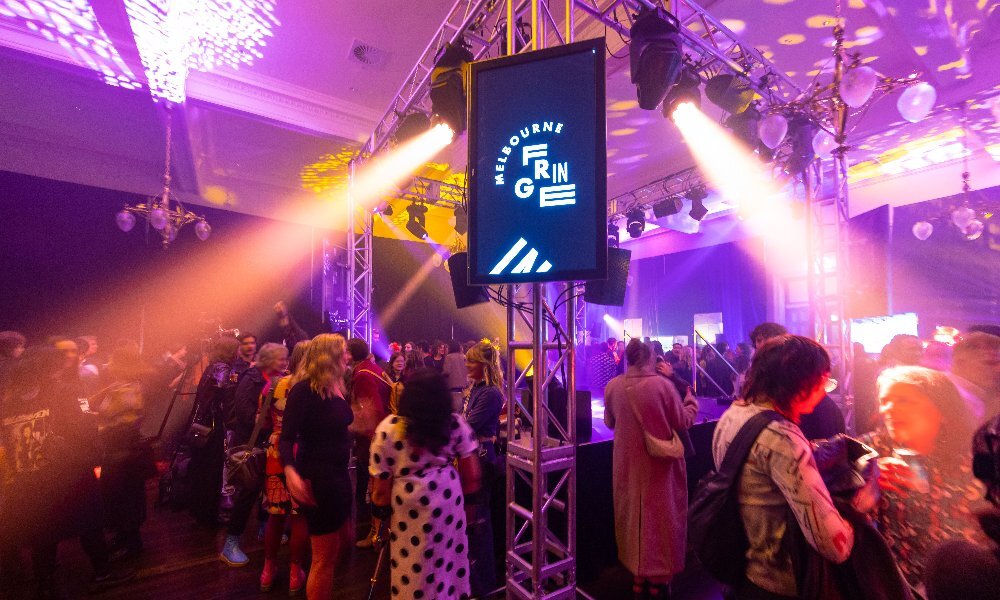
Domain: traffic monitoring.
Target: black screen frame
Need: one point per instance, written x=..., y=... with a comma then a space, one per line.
x=596, y=47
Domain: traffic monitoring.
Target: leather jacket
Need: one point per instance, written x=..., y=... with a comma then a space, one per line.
x=215, y=391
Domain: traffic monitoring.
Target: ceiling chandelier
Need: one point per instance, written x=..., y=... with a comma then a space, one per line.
x=162, y=213
x=967, y=215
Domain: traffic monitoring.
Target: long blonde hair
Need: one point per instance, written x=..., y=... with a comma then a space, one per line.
x=485, y=353
x=324, y=364
x=297, y=362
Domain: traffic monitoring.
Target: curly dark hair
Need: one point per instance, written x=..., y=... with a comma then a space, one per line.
x=426, y=408
x=784, y=367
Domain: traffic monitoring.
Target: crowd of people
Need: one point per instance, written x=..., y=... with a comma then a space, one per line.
x=313, y=434
x=714, y=369
x=316, y=434
x=876, y=516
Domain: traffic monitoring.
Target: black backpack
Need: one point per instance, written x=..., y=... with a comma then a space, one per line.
x=715, y=528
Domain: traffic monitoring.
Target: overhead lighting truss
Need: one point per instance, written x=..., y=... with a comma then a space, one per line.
x=673, y=185
x=482, y=24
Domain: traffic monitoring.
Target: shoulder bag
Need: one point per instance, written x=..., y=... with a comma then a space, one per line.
x=246, y=462
x=657, y=448
x=715, y=527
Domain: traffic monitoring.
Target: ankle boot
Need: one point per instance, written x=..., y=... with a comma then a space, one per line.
x=231, y=553
x=639, y=590
x=267, y=575
x=369, y=540
x=296, y=580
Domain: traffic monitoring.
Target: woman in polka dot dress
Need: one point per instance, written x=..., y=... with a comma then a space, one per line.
x=417, y=478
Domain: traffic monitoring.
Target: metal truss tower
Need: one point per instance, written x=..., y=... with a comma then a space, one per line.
x=359, y=264
x=541, y=465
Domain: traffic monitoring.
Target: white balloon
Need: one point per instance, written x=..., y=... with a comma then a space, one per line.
x=974, y=230
x=916, y=101
x=857, y=86
x=962, y=217
x=772, y=130
x=922, y=230
x=823, y=143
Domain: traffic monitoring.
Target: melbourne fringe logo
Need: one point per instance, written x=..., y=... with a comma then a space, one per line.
x=535, y=166
x=531, y=160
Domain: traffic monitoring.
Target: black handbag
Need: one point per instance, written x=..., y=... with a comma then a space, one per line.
x=246, y=463
x=715, y=527
x=198, y=435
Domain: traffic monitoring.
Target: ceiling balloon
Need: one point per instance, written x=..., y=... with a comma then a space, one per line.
x=922, y=230
x=916, y=101
x=823, y=143
x=772, y=130
x=858, y=85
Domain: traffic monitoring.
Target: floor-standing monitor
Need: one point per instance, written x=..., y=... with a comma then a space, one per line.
x=538, y=172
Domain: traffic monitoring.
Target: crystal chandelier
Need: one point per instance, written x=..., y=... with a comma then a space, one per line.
x=967, y=216
x=163, y=213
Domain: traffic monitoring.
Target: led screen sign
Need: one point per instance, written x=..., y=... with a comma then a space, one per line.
x=537, y=181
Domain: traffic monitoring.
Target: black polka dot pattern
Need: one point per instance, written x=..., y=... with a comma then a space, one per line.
x=428, y=549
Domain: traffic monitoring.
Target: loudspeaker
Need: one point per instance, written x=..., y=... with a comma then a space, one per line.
x=584, y=416
x=610, y=291
x=465, y=294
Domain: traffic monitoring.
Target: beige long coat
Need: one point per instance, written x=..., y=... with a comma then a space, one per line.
x=650, y=494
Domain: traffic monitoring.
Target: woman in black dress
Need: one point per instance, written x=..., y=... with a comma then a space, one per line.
x=316, y=419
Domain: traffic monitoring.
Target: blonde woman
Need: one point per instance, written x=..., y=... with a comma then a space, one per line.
x=482, y=412
x=316, y=418
x=278, y=502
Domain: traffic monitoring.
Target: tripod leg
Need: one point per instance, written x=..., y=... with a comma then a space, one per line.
x=383, y=543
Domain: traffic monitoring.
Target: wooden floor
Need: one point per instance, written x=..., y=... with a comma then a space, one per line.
x=180, y=562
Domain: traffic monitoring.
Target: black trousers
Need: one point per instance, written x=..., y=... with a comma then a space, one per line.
x=244, y=499
x=205, y=475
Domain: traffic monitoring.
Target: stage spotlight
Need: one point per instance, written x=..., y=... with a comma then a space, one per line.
x=635, y=220
x=729, y=92
x=655, y=56
x=801, y=131
x=417, y=221
x=744, y=126
x=697, y=197
x=461, y=220
x=686, y=90
x=612, y=235
x=665, y=208
x=410, y=126
x=448, y=86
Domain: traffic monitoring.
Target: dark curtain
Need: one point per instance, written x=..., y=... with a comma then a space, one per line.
x=667, y=291
x=946, y=279
x=66, y=269
x=413, y=298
